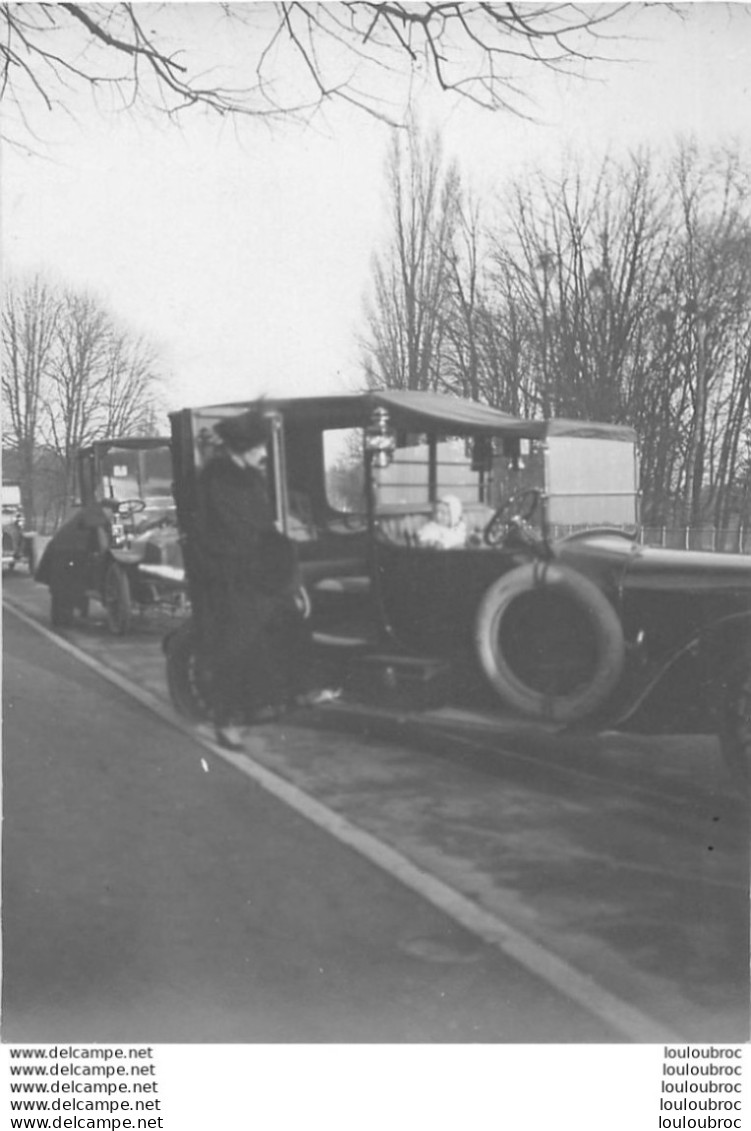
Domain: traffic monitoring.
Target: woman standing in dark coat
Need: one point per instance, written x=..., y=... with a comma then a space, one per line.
x=252, y=628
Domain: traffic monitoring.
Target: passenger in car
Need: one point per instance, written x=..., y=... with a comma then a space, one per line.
x=447, y=530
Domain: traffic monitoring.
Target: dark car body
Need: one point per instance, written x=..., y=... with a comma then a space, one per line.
x=120, y=545
x=15, y=541
x=558, y=614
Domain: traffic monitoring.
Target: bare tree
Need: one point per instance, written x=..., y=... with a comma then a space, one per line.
x=101, y=381
x=29, y=326
x=461, y=370
x=407, y=315
x=130, y=401
x=71, y=375
x=632, y=295
x=712, y=292
x=76, y=379
x=294, y=57
x=623, y=299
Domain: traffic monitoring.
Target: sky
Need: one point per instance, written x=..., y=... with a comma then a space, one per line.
x=244, y=253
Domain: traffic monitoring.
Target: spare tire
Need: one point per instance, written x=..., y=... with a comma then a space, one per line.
x=550, y=642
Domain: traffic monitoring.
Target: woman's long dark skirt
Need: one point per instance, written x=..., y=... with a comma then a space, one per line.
x=258, y=649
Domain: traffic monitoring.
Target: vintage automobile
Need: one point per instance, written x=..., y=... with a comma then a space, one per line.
x=550, y=608
x=121, y=545
x=15, y=541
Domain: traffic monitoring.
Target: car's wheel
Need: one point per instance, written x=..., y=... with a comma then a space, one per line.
x=549, y=642
x=188, y=678
x=117, y=600
x=61, y=607
x=735, y=733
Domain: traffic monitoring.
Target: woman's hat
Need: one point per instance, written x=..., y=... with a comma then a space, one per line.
x=243, y=432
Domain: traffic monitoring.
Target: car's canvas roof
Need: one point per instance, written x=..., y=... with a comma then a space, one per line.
x=129, y=443
x=416, y=411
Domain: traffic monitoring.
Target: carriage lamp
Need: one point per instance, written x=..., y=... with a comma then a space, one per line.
x=380, y=441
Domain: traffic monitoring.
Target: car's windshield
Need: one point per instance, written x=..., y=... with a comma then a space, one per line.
x=457, y=470
x=128, y=473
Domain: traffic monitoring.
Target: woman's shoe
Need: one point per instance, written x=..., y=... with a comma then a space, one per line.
x=229, y=738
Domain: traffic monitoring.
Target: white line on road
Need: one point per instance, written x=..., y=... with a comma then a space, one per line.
x=622, y=1018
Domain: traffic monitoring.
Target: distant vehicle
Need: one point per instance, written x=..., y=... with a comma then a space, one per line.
x=15, y=542
x=588, y=628
x=121, y=545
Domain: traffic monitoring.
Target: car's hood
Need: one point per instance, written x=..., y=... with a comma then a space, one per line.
x=628, y=565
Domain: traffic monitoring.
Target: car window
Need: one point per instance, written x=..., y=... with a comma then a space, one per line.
x=406, y=481
x=344, y=471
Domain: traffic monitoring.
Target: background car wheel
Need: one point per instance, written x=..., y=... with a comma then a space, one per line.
x=188, y=678
x=549, y=642
x=117, y=600
x=735, y=734
x=61, y=608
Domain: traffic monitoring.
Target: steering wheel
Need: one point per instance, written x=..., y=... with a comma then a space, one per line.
x=514, y=515
x=129, y=507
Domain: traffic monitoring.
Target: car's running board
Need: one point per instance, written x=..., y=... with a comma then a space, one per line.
x=163, y=573
x=332, y=641
x=343, y=585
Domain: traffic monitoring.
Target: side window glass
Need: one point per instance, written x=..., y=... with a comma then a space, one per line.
x=405, y=482
x=344, y=470
x=458, y=471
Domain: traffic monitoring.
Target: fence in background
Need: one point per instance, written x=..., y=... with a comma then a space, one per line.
x=730, y=540
x=733, y=540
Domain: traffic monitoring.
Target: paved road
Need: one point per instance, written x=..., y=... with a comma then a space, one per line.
x=146, y=899
x=624, y=858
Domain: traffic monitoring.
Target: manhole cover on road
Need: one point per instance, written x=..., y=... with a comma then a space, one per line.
x=434, y=949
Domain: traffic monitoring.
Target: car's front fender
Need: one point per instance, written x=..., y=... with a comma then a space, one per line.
x=126, y=557
x=711, y=654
